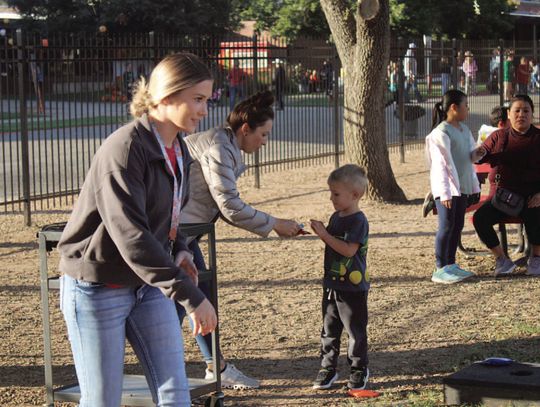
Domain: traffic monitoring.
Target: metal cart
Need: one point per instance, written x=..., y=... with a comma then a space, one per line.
x=135, y=389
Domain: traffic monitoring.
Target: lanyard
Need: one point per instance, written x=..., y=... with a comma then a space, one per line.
x=177, y=186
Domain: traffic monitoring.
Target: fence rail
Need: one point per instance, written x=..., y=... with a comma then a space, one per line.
x=61, y=96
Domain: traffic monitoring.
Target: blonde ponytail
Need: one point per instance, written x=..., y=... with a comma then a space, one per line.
x=142, y=100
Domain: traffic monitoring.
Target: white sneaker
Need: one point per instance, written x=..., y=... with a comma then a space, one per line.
x=232, y=378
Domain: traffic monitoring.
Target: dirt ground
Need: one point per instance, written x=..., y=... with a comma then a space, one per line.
x=270, y=293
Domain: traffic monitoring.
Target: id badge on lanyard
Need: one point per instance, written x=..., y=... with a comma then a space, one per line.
x=177, y=186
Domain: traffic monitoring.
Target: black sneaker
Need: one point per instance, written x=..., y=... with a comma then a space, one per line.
x=358, y=379
x=428, y=205
x=325, y=378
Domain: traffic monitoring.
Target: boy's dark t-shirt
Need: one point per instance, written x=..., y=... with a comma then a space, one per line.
x=347, y=273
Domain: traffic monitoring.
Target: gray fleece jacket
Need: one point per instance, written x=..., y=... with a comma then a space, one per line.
x=217, y=166
x=118, y=230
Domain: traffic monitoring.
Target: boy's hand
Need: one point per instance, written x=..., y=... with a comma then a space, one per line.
x=318, y=227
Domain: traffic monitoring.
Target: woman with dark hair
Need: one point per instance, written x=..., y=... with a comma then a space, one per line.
x=450, y=148
x=515, y=152
x=218, y=164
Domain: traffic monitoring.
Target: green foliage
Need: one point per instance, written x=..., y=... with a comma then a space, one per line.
x=301, y=17
x=264, y=12
x=451, y=18
x=173, y=16
x=286, y=18
x=444, y=19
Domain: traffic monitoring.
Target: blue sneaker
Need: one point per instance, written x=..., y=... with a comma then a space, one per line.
x=455, y=269
x=444, y=275
x=503, y=266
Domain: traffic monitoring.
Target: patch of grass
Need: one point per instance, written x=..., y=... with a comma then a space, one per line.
x=523, y=328
x=9, y=116
x=311, y=100
x=425, y=398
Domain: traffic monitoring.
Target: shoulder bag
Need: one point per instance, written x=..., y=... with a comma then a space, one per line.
x=504, y=200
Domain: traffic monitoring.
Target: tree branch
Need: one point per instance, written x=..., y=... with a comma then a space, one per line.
x=342, y=24
x=368, y=9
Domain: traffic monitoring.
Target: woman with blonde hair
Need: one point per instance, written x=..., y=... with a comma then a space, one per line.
x=124, y=263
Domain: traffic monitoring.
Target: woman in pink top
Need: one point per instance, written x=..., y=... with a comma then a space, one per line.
x=469, y=69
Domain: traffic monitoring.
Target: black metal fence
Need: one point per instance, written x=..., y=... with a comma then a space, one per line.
x=440, y=65
x=61, y=96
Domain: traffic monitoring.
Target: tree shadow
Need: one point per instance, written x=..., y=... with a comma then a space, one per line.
x=19, y=246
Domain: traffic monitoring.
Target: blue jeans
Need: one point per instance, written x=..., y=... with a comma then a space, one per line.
x=204, y=342
x=412, y=83
x=451, y=223
x=99, y=319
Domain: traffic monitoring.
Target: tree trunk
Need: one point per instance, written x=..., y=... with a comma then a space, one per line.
x=363, y=47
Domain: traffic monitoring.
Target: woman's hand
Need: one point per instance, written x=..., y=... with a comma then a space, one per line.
x=478, y=153
x=447, y=204
x=204, y=318
x=286, y=227
x=318, y=227
x=534, y=201
x=184, y=260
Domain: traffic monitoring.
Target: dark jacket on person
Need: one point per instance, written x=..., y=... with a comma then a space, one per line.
x=517, y=158
x=118, y=232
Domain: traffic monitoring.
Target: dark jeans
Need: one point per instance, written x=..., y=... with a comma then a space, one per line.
x=486, y=216
x=344, y=310
x=450, y=226
x=204, y=342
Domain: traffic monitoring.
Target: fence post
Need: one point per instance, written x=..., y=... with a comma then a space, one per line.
x=455, y=76
x=256, y=87
x=22, y=63
x=401, y=102
x=501, y=72
x=152, y=44
x=337, y=68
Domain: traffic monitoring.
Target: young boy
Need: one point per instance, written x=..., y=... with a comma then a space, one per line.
x=498, y=119
x=346, y=281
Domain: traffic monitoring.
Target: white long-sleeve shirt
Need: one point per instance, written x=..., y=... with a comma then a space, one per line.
x=443, y=150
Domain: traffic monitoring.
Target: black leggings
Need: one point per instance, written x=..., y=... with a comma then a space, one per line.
x=487, y=216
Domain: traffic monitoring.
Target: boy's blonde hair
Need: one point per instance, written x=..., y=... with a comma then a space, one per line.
x=173, y=74
x=352, y=175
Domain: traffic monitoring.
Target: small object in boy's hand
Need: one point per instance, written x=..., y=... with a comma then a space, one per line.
x=366, y=394
x=302, y=231
x=496, y=362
